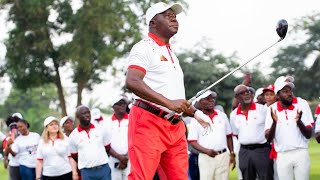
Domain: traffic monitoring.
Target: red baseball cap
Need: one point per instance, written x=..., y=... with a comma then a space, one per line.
x=269, y=88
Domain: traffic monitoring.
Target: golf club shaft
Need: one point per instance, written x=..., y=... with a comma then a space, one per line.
x=225, y=76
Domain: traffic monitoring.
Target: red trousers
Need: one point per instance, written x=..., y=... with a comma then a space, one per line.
x=154, y=141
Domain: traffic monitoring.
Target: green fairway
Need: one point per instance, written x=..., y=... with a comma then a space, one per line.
x=314, y=150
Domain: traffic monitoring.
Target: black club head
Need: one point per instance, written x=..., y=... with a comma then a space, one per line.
x=282, y=27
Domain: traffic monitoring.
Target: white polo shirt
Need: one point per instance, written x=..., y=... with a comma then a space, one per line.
x=90, y=146
x=249, y=127
x=55, y=156
x=103, y=122
x=217, y=139
x=288, y=135
x=161, y=67
x=119, y=139
x=317, y=128
x=26, y=148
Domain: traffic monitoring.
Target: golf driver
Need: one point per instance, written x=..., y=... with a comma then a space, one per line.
x=281, y=28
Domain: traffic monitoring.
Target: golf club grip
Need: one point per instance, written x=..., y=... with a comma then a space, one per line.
x=168, y=116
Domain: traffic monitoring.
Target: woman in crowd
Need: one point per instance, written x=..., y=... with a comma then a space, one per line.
x=53, y=155
x=67, y=125
x=25, y=147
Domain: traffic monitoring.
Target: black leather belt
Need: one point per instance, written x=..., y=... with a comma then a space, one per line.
x=156, y=111
x=255, y=146
x=222, y=151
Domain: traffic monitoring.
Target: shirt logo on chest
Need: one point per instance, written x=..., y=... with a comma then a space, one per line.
x=162, y=58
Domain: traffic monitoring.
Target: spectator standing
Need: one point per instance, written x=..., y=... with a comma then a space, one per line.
x=214, y=160
x=286, y=119
x=89, y=146
x=53, y=154
x=119, y=162
x=25, y=147
x=10, y=161
x=247, y=122
x=67, y=125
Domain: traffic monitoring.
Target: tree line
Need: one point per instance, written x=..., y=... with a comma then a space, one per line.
x=103, y=31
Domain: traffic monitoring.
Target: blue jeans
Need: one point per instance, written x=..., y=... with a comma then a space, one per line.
x=27, y=173
x=102, y=172
x=193, y=166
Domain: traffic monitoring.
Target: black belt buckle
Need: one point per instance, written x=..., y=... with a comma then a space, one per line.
x=174, y=120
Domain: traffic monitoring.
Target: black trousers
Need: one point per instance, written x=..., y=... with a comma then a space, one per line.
x=255, y=162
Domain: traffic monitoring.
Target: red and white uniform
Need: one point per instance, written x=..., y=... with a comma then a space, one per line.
x=119, y=143
x=293, y=159
x=26, y=149
x=161, y=67
x=249, y=127
x=217, y=167
x=151, y=138
x=90, y=146
x=55, y=156
x=217, y=139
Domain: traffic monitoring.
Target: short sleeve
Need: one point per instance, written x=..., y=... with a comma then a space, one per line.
x=307, y=117
x=227, y=124
x=193, y=133
x=107, y=135
x=72, y=145
x=15, y=146
x=317, y=128
x=269, y=121
x=232, y=122
x=39, y=155
x=138, y=57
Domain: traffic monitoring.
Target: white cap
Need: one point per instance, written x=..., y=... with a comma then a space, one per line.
x=18, y=115
x=64, y=119
x=48, y=120
x=284, y=79
x=120, y=97
x=205, y=94
x=161, y=7
x=95, y=113
x=281, y=84
x=257, y=93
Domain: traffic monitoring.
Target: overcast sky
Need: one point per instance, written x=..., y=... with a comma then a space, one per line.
x=246, y=26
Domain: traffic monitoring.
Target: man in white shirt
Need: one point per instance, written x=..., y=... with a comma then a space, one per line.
x=213, y=158
x=288, y=119
x=119, y=162
x=156, y=79
x=247, y=123
x=89, y=146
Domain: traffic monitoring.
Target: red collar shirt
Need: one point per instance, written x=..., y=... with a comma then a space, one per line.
x=161, y=67
x=217, y=139
x=90, y=146
x=119, y=139
x=288, y=135
x=249, y=127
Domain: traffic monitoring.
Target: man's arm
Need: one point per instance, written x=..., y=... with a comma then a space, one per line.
x=203, y=150
x=135, y=83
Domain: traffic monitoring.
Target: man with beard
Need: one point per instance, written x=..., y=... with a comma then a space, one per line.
x=213, y=159
x=89, y=146
x=288, y=119
x=247, y=123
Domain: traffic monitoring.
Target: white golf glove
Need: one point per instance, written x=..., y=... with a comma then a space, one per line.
x=200, y=116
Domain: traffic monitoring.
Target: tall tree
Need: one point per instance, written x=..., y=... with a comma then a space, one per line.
x=294, y=59
x=35, y=104
x=204, y=67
